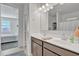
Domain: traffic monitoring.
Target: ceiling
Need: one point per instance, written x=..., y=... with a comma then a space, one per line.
x=65, y=8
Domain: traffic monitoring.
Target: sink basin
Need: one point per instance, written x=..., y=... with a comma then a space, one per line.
x=47, y=38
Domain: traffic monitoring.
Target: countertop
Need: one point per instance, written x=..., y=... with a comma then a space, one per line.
x=58, y=42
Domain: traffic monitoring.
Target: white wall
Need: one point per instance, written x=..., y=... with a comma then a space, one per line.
x=34, y=19
x=33, y=25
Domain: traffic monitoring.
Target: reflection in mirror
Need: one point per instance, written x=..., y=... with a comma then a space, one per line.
x=52, y=22
x=69, y=16
x=48, y=17
x=61, y=17
x=61, y=20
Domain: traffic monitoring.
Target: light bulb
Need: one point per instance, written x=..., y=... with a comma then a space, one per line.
x=40, y=8
x=47, y=4
x=43, y=6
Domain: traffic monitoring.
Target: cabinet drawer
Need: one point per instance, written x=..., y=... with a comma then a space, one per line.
x=36, y=40
x=59, y=50
x=48, y=53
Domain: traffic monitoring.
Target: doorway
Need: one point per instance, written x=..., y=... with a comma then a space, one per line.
x=9, y=28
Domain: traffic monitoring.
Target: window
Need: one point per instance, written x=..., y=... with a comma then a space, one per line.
x=5, y=25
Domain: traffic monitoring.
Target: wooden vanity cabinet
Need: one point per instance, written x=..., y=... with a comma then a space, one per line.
x=42, y=48
x=59, y=51
x=37, y=50
x=36, y=47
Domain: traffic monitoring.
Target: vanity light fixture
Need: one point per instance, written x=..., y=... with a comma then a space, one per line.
x=48, y=9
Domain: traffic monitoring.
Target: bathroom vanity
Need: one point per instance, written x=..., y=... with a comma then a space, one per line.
x=60, y=24
x=52, y=47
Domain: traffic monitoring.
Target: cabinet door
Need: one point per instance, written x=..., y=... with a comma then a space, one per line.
x=36, y=49
x=48, y=53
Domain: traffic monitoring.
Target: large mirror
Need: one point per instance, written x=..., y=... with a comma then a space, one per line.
x=63, y=17
x=69, y=16
x=61, y=20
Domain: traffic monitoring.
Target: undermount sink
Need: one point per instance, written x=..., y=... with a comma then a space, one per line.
x=47, y=38
x=50, y=37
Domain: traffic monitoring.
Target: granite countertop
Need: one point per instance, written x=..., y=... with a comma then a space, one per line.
x=59, y=42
